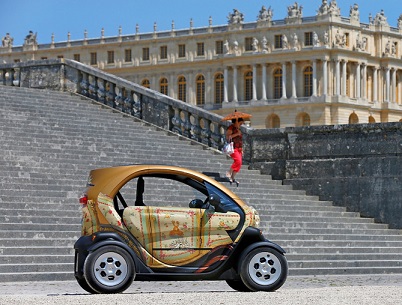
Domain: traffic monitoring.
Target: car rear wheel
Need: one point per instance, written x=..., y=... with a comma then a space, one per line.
x=264, y=269
x=109, y=269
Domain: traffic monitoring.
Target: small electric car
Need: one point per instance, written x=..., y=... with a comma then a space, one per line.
x=158, y=223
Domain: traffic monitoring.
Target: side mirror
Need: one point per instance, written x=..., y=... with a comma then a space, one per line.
x=215, y=201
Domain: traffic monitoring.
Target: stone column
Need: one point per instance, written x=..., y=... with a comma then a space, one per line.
x=294, y=94
x=225, y=85
x=393, y=88
x=314, y=77
x=235, y=99
x=284, y=80
x=254, y=82
x=375, y=84
x=325, y=76
x=344, y=77
x=364, y=89
x=264, y=82
x=387, y=85
x=338, y=78
x=358, y=80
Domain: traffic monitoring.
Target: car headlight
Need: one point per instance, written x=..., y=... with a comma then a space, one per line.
x=256, y=217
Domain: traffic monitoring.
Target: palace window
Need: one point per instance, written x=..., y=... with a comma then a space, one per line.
x=248, y=83
x=308, y=39
x=145, y=54
x=219, y=47
x=278, y=41
x=303, y=119
x=17, y=60
x=60, y=56
x=353, y=119
x=278, y=83
x=163, y=85
x=110, y=57
x=94, y=58
x=145, y=83
x=163, y=52
x=219, y=87
x=273, y=121
x=347, y=39
x=43, y=57
x=182, y=50
x=308, y=81
x=77, y=57
x=182, y=92
x=248, y=43
x=127, y=55
x=371, y=119
x=200, y=49
x=200, y=91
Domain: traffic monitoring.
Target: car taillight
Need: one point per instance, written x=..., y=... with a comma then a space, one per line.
x=84, y=199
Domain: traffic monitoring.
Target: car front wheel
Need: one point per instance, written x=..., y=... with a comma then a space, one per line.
x=264, y=269
x=109, y=269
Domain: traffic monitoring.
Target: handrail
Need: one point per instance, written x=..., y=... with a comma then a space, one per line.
x=151, y=106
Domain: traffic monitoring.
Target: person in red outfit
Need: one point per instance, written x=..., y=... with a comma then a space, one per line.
x=234, y=134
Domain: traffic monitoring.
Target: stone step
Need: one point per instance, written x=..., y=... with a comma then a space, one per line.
x=346, y=264
x=47, y=151
x=344, y=271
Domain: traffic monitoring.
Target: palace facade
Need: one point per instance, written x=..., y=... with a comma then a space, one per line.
x=320, y=70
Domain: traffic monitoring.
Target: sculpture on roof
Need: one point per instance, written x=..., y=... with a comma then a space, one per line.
x=30, y=39
x=323, y=9
x=295, y=11
x=400, y=22
x=354, y=13
x=7, y=41
x=236, y=17
x=334, y=9
x=380, y=18
x=265, y=14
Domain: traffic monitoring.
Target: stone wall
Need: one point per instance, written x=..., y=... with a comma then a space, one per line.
x=356, y=166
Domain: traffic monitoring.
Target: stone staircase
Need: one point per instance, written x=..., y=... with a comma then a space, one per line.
x=49, y=141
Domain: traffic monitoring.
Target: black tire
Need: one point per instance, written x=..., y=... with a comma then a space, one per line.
x=109, y=269
x=238, y=286
x=264, y=269
x=84, y=285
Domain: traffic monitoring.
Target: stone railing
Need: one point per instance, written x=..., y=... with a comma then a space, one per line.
x=165, y=112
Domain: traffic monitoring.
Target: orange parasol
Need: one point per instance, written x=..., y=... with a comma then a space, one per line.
x=237, y=114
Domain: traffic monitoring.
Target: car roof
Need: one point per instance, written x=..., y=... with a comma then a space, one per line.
x=109, y=180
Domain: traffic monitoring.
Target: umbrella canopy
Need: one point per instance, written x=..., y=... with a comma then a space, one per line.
x=237, y=114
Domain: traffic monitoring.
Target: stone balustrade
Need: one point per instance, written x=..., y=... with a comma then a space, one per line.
x=165, y=112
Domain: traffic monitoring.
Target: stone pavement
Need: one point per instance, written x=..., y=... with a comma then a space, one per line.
x=293, y=282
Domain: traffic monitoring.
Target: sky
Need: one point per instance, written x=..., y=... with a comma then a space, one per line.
x=59, y=17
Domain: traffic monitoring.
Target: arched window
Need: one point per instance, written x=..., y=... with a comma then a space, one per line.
x=308, y=81
x=353, y=119
x=182, y=89
x=371, y=119
x=248, y=83
x=273, y=121
x=145, y=83
x=277, y=83
x=200, y=91
x=303, y=119
x=163, y=85
x=219, y=87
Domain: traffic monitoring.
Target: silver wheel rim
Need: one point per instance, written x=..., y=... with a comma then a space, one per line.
x=264, y=268
x=110, y=269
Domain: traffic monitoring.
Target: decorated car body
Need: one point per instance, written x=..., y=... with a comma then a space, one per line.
x=158, y=222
